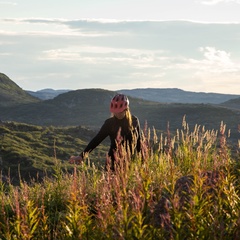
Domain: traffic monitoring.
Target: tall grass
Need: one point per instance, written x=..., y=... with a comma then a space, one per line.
x=182, y=186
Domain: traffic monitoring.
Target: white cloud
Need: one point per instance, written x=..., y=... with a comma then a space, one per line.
x=215, y=62
x=214, y=2
x=216, y=72
x=217, y=57
x=8, y=3
x=5, y=54
x=138, y=58
x=81, y=54
x=54, y=27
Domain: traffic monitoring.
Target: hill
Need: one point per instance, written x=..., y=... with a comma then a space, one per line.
x=164, y=95
x=90, y=108
x=32, y=131
x=175, y=95
x=80, y=107
x=12, y=94
x=232, y=103
x=35, y=150
x=47, y=93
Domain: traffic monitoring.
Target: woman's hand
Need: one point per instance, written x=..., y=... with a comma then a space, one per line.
x=75, y=160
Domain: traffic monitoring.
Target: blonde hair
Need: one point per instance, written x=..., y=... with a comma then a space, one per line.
x=128, y=118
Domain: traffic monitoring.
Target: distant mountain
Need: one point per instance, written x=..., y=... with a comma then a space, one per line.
x=90, y=108
x=12, y=94
x=80, y=107
x=47, y=93
x=232, y=103
x=163, y=95
x=73, y=118
x=175, y=95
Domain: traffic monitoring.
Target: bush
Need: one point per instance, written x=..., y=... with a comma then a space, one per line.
x=183, y=186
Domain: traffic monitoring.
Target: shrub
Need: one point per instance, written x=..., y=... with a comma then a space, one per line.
x=183, y=186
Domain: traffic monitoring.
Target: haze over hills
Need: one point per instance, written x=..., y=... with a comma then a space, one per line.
x=175, y=95
x=164, y=95
x=47, y=93
x=90, y=107
x=232, y=103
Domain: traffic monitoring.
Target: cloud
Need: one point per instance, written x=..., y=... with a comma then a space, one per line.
x=8, y=3
x=57, y=27
x=217, y=57
x=103, y=54
x=213, y=62
x=215, y=72
x=110, y=55
x=5, y=54
x=214, y=2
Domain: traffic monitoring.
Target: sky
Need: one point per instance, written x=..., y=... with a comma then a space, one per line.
x=121, y=44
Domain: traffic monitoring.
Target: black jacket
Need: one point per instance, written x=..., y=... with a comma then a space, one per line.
x=111, y=128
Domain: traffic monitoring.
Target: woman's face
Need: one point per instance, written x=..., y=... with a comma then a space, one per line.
x=120, y=115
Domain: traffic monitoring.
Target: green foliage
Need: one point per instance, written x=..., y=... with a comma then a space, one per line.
x=183, y=186
x=32, y=150
x=90, y=107
x=11, y=94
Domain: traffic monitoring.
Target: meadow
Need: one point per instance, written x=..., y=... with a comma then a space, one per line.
x=183, y=185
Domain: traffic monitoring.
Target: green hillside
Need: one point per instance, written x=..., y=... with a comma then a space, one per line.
x=90, y=108
x=32, y=131
x=185, y=188
x=81, y=107
x=35, y=150
x=12, y=94
x=184, y=185
x=233, y=104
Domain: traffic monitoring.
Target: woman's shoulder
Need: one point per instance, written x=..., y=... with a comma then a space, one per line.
x=135, y=120
x=107, y=124
x=134, y=117
x=109, y=120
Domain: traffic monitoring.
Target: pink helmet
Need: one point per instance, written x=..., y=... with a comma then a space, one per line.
x=119, y=103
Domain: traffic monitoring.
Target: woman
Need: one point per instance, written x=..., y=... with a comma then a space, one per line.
x=122, y=127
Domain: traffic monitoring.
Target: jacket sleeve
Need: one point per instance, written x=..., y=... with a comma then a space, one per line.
x=101, y=135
